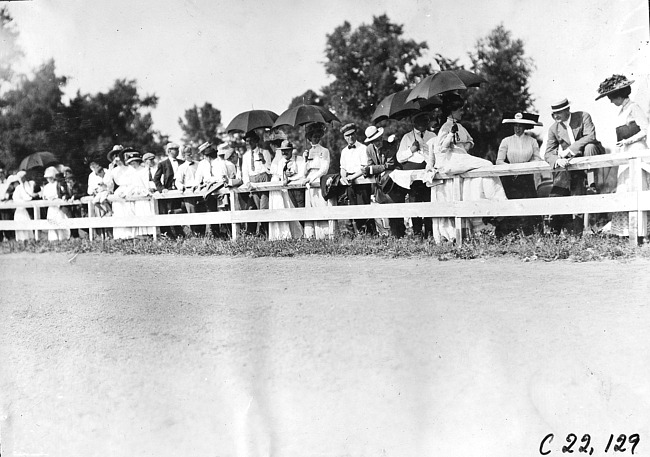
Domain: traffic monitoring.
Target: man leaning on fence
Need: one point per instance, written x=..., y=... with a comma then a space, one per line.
x=572, y=135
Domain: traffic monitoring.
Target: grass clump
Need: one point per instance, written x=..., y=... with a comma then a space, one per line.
x=482, y=246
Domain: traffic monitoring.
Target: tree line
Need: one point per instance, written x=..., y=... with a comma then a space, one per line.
x=366, y=64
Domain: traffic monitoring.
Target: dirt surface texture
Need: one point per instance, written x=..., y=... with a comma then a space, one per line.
x=111, y=355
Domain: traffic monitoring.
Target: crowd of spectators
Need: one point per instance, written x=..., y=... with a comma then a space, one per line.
x=192, y=179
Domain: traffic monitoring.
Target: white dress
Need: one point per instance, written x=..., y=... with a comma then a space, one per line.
x=629, y=112
x=23, y=193
x=279, y=199
x=55, y=214
x=121, y=208
x=316, y=165
x=136, y=184
x=454, y=159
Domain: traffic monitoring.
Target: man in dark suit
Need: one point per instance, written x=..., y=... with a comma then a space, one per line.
x=165, y=180
x=572, y=135
x=381, y=161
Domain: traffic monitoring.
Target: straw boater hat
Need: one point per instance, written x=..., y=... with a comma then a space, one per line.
x=348, y=128
x=560, y=106
x=207, y=149
x=372, y=133
x=612, y=84
x=528, y=120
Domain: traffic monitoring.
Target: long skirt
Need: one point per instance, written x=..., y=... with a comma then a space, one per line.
x=318, y=229
x=143, y=208
x=56, y=214
x=444, y=228
x=123, y=209
x=518, y=187
x=620, y=221
x=279, y=199
x=21, y=214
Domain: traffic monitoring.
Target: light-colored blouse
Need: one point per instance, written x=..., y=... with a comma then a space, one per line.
x=518, y=149
x=446, y=137
x=629, y=112
x=317, y=162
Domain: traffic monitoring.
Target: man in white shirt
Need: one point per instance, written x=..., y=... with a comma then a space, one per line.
x=353, y=161
x=256, y=167
x=412, y=154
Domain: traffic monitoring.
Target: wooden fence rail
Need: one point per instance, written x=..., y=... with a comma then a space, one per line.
x=635, y=201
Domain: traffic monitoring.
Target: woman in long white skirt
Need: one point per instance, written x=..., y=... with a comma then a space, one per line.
x=55, y=190
x=317, y=163
x=279, y=199
x=24, y=192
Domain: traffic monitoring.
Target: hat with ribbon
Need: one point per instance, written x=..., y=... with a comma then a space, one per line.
x=560, y=105
x=526, y=119
x=372, y=133
x=612, y=84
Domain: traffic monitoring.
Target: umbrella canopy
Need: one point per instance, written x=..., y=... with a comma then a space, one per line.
x=395, y=106
x=38, y=159
x=251, y=120
x=305, y=114
x=444, y=81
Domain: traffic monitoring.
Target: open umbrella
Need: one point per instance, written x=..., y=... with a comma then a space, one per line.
x=395, y=106
x=305, y=114
x=38, y=159
x=251, y=120
x=444, y=81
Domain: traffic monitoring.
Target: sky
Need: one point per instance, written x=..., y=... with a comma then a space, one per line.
x=242, y=55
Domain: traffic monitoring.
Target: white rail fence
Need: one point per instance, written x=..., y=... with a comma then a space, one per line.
x=636, y=201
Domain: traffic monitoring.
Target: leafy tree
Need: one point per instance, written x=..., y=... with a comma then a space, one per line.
x=10, y=52
x=368, y=64
x=201, y=124
x=30, y=114
x=94, y=123
x=501, y=60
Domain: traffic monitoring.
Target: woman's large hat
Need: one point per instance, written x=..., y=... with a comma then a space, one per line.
x=612, y=84
x=526, y=119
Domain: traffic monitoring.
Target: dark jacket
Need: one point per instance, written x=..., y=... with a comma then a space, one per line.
x=164, y=177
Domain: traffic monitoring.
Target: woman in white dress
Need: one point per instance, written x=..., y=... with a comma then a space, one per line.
x=317, y=163
x=24, y=192
x=631, y=135
x=450, y=156
x=118, y=172
x=279, y=199
x=136, y=186
x=55, y=190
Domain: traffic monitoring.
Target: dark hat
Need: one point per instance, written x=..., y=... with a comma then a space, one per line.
x=560, y=105
x=131, y=155
x=314, y=127
x=526, y=119
x=612, y=84
x=351, y=127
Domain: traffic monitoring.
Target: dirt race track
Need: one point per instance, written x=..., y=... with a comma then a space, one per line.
x=183, y=356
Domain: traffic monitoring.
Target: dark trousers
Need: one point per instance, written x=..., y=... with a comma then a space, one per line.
x=422, y=226
x=359, y=194
x=170, y=207
x=7, y=215
x=574, y=224
x=395, y=195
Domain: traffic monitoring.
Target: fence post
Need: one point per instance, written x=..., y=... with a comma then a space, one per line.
x=458, y=196
x=37, y=216
x=234, y=206
x=91, y=213
x=635, y=187
x=156, y=211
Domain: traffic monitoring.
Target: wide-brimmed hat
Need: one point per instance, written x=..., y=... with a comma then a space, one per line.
x=612, y=84
x=372, y=133
x=224, y=149
x=314, y=127
x=132, y=156
x=560, y=105
x=348, y=128
x=525, y=119
x=286, y=144
x=116, y=150
x=12, y=179
x=50, y=172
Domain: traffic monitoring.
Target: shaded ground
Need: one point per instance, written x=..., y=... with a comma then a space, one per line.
x=171, y=356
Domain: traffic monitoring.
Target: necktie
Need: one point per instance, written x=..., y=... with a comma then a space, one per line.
x=252, y=160
x=150, y=177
